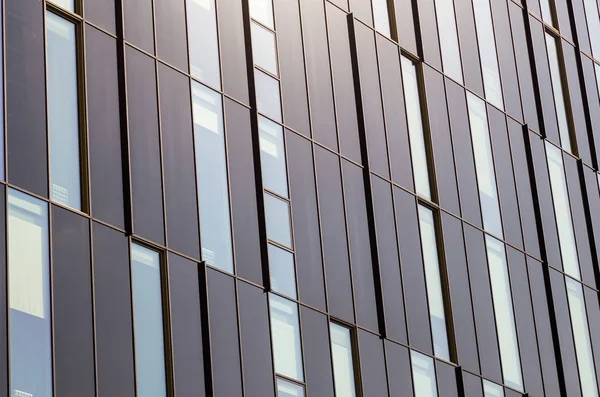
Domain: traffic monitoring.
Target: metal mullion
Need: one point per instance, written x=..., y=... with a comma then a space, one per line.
x=205, y=325
x=130, y=242
x=169, y=352
x=4, y=91
x=93, y=301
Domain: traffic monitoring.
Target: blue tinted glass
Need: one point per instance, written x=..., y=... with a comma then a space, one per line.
x=29, y=296
x=281, y=269
x=423, y=375
x=203, y=42
x=278, y=220
x=148, y=322
x=272, y=156
x=343, y=362
x=285, y=332
x=267, y=95
x=492, y=390
x=289, y=389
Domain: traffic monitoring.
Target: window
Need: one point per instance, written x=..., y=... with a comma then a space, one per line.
x=423, y=371
x=435, y=295
x=503, y=311
x=211, y=171
x=487, y=52
x=66, y=4
x=557, y=89
x=285, y=333
x=282, y=272
x=63, y=112
x=546, y=12
x=583, y=348
x=484, y=166
x=148, y=322
x=415, y=128
x=343, y=361
x=381, y=17
x=289, y=389
x=492, y=390
x=277, y=213
x=272, y=157
x=203, y=42
x=267, y=95
x=264, y=49
x=446, y=22
x=262, y=11
x=29, y=296
x=562, y=211
x=593, y=24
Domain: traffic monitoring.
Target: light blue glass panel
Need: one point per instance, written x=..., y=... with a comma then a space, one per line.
x=281, y=270
x=278, y=220
x=262, y=11
x=285, y=334
x=272, y=157
x=29, y=296
x=268, y=98
x=343, y=362
x=289, y=389
x=448, y=34
x=203, y=42
x=264, y=50
x=557, y=89
x=546, y=12
x=423, y=375
x=381, y=17
x=492, y=390
x=66, y=4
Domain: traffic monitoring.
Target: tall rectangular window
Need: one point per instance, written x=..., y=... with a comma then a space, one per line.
x=30, y=344
x=435, y=295
x=424, y=379
x=484, y=166
x=448, y=34
x=503, y=311
x=211, y=172
x=146, y=282
x=63, y=111
x=487, y=52
x=272, y=157
x=546, y=8
x=381, y=17
x=593, y=24
x=203, y=42
x=492, y=390
x=285, y=334
x=343, y=361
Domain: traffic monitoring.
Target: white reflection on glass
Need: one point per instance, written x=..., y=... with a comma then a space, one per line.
x=503, y=310
x=272, y=157
x=492, y=390
x=546, y=12
x=597, y=73
x=262, y=11
x=264, y=50
x=381, y=17
x=593, y=23
x=285, y=332
x=281, y=271
x=268, y=100
x=446, y=23
x=203, y=41
x=277, y=213
x=343, y=364
x=148, y=322
x=557, y=89
x=288, y=389
x=29, y=296
x=211, y=171
x=484, y=166
x=66, y=4
x=423, y=375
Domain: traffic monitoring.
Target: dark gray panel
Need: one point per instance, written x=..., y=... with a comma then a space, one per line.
x=374, y=381
x=405, y=24
x=593, y=102
x=186, y=327
x=361, y=10
x=472, y=385
x=243, y=192
x=101, y=13
x=104, y=127
x=593, y=314
x=171, y=34
x=430, y=47
x=315, y=333
x=233, y=49
x=114, y=332
x=144, y=147
x=576, y=108
x=593, y=200
x=25, y=96
x=562, y=12
x=583, y=40
x=399, y=369
x=468, y=45
x=446, y=377
x=139, y=24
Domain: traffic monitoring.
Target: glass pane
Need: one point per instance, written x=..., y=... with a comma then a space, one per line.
x=264, y=50
x=446, y=22
x=281, y=270
x=285, y=332
x=277, y=212
x=66, y=4
x=63, y=122
x=562, y=211
x=597, y=72
x=487, y=52
x=381, y=17
x=203, y=41
x=593, y=23
x=484, y=166
x=268, y=98
x=343, y=364
x=148, y=322
x=211, y=171
x=581, y=335
x=492, y=390
x=288, y=389
x=503, y=310
x=262, y=11
x=29, y=296
x=546, y=11
x=434, y=284
x=557, y=89
x=423, y=375
x=415, y=128
x=272, y=156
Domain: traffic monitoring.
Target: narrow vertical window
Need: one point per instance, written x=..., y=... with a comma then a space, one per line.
x=277, y=212
x=29, y=296
x=446, y=22
x=211, y=171
x=487, y=52
x=415, y=128
x=66, y=4
x=583, y=347
x=381, y=17
x=203, y=42
x=593, y=24
x=262, y=11
x=343, y=361
x=282, y=272
x=547, y=12
x=148, y=322
x=289, y=389
x=272, y=157
x=423, y=371
x=285, y=332
x=484, y=166
x=503, y=311
x=264, y=49
x=492, y=390
x=562, y=211
x=557, y=89
x=268, y=100
x=63, y=111
x=435, y=295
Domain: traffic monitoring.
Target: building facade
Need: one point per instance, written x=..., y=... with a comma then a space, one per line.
x=300, y=198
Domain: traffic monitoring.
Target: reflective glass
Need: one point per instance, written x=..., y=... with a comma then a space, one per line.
x=583, y=347
x=2, y=170
x=63, y=114
x=148, y=322
x=593, y=23
x=281, y=270
x=272, y=157
x=268, y=99
x=278, y=220
x=211, y=171
x=562, y=211
x=484, y=166
x=381, y=17
x=343, y=363
x=29, y=296
x=557, y=89
x=446, y=22
x=487, y=52
x=546, y=12
x=415, y=128
x=597, y=73
x=262, y=11
x=434, y=284
x=423, y=375
x=289, y=389
x=492, y=390
x=264, y=50
x=203, y=41
x=503, y=310
x=285, y=332
x=66, y=4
